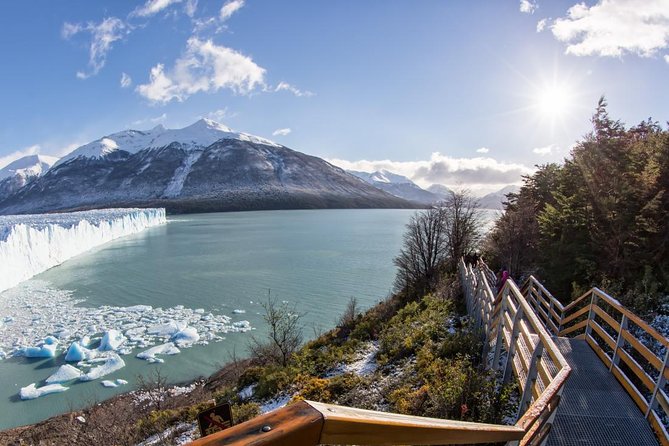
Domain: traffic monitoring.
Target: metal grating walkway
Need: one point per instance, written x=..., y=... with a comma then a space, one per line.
x=595, y=409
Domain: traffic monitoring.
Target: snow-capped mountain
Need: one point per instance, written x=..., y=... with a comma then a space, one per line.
x=397, y=185
x=494, y=200
x=22, y=171
x=203, y=167
x=440, y=190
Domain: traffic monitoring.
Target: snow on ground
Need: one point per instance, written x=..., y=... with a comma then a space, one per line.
x=30, y=244
x=364, y=364
x=275, y=403
x=180, y=434
x=175, y=185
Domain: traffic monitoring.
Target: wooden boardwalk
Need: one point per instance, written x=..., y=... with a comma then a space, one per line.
x=595, y=409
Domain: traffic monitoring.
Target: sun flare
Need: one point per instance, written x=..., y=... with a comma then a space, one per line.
x=553, y=101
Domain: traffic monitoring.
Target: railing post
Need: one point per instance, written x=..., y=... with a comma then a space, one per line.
x=531, y=379
x=615, y=359
x=551, y=306
x=652, y=404
x=591, y=316
x=500, y=332
x=515, y=331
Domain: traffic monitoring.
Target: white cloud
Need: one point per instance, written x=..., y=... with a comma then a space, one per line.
x=32, y=150
x=152, y=7
x=204, y=67
x=220, y=115
x=483, y=150
x=547, y=150
x=230, y=8
x=285, y=86
x=103, y=34
x=281, y=132
x=126, y=80
x=475, y=173
x=154, y=121
x=615, y=27
x=541, y=25
x=666, y=58
x=190, y=7
x=528, y=6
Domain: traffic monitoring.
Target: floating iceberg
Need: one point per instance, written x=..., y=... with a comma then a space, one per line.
x=31, y=392
x=111, y=340
x=30, y=244
x=186, y=337
x=76, y=353
x=46, y=350
x=65, y=373
x=112, y=363
x=108, y=383
x=163, y=349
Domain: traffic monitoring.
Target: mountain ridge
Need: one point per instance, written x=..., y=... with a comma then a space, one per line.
x=206, y=167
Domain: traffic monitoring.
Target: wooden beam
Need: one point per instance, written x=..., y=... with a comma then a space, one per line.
x=346, y=425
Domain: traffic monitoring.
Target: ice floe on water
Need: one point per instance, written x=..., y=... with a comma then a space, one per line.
x=65, y=373
x=44, y=322
x=30, y=244
x=30, y=392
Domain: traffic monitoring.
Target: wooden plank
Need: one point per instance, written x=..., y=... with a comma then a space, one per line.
x=573, y=304
x=346, y=425
x=604, y=315
x=604, y=335
x=573, y=328
x=630, y=388
x=659, y=428
x=662, y=400
x=633, y=317
x=576, y=314
x=643, y=350
x=637, y=369
x=298, y=423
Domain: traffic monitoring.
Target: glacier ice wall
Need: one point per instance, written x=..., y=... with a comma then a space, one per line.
x=30, y=244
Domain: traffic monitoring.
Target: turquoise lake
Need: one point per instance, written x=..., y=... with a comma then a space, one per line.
x=315, y=259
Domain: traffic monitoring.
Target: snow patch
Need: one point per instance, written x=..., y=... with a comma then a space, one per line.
x=175, y=185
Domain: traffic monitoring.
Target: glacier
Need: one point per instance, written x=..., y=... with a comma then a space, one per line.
x=31, y=244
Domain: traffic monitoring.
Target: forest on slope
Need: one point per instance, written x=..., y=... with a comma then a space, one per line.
x=599, y=219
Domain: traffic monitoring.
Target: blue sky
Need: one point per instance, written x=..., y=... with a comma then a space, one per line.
x=467, y=93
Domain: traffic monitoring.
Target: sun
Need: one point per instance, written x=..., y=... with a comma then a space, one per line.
x=553, y=101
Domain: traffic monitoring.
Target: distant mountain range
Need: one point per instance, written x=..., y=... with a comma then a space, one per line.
x=397, y=185
x=403, y=187
x=23, y=171
x=200, y=168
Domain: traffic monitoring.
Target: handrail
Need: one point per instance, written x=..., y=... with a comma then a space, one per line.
x=307, y=423
x=522, y=348
x=605, y=324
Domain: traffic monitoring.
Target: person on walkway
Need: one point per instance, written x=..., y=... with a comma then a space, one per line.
x=501, y=279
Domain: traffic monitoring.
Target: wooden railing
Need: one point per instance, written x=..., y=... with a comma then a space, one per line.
x=307, y=423
x=634, y=352
x=518, y=345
